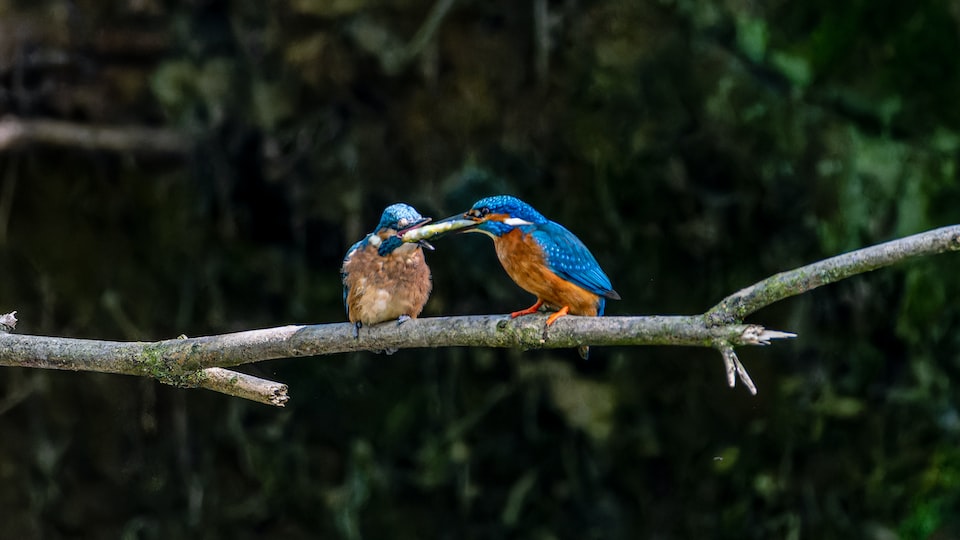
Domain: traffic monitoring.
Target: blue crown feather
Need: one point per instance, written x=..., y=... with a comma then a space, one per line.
x=512, y=206
x=393, y=214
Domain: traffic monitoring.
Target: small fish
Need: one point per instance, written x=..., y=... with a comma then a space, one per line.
x=433, y=230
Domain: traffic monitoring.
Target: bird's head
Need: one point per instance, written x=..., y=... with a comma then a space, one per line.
x=396, y=220
x=500, y=214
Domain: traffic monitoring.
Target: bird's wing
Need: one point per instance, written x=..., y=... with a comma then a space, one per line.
x=343, y=270
x=570, y=259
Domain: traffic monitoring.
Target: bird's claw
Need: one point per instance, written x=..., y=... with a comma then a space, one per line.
x=529, y=311
x=560, y=313
x=402, y=319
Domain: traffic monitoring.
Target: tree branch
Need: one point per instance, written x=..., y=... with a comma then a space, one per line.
x=17, y=133
x=199, y=362
x=57, y=353
x=786, y=284
x=186, y=356
x=238, y=384
x=187, y=362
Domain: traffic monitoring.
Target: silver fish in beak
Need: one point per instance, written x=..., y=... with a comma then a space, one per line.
x=433, y=230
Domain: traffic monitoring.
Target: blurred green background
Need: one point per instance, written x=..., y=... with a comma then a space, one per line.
x=696, y=147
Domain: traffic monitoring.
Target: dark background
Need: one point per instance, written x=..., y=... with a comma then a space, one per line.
x=696, y=147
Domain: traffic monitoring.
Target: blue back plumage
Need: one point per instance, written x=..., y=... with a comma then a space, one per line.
x=570, y=259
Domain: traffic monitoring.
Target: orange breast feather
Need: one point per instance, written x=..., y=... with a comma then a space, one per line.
x=523, y=260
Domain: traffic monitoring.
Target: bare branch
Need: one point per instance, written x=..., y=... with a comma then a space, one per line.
x=17, y=133
x=189, y=362
x=179, y=357
x=735, y=307
x=58, y=353
x=238, y=384
x=198, y=362
x=735, y=369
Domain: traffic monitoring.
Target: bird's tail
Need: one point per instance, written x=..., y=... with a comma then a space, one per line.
x=584, y=351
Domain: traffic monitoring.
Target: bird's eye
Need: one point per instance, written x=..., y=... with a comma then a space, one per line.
x=402, y=222
x=478, y=212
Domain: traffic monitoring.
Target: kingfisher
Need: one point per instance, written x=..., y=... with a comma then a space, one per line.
x=385, y=278
x=541, y=256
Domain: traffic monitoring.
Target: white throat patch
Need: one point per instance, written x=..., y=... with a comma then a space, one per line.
x=516, y=222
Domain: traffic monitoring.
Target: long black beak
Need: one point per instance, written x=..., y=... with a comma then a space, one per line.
x=455, y=223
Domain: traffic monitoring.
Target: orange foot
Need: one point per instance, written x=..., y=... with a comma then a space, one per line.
x=563, y=311
x=529, y=311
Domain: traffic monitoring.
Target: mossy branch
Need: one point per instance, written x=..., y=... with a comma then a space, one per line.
x=791, y=283
x=200, y=362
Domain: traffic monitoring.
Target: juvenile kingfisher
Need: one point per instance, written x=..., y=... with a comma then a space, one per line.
x=541, y=256
x=385, y=278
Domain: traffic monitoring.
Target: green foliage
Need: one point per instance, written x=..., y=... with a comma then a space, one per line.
x=934, y=509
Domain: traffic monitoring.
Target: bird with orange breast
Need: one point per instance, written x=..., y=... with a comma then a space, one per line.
x=541, y=256
x=385, y=278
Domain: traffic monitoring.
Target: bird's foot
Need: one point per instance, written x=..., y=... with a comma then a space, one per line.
x=529, y=311
x=356, y=329
x=402, y=319
x=553, y=318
